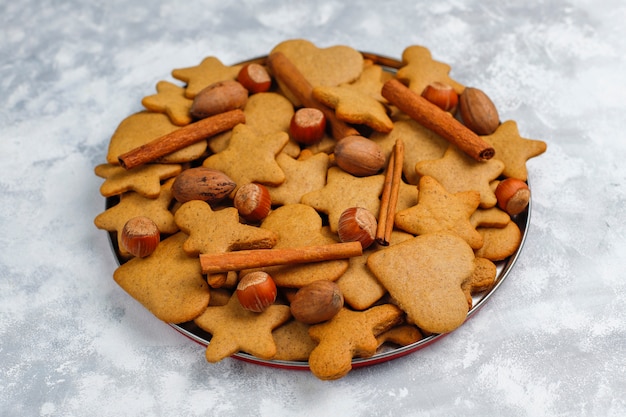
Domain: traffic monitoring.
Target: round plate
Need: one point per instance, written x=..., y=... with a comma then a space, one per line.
x=385, y=353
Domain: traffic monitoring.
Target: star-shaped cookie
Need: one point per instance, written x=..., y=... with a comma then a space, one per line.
x=218, y=231
x=303, y=175
x=209, y=71
x=354, y=106
x=343, y=191
x=265, y=113
x=458, y=172
x=171, y=100
x=250, y=157
x=144, y=180
x=419, y=69
x=234, y=329
x=420, y=144
x=370, y=82
x=514, y=150
x=132, y=205
x=437, y=210
x=168, y=282
x=347, y=335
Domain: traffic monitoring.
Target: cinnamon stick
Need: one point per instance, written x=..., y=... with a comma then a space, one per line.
x=285, y=71
x=181, y=138
x=437, y=120
x=389, y=198
x=211, y=263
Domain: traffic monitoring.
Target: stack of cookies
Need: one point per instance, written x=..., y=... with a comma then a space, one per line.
x=315, y=204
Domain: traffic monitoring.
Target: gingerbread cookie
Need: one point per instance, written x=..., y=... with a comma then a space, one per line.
x=514, y=150
x=143, y=127
x=235, y=329
x=424, y=276
x=302, y=175
x=171, y=100
x=347, y=335
x=457, y=172
x=343, y=191
x=209, y=71
x=144, y=180
x=353, y=106
x=132, y=205
x=419, y=69
x=437, y=210
x=168, y=282
x=243, y=165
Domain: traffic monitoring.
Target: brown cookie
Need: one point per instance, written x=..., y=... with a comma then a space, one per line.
x=171, y=100
x=143, y=127
x=234, y=329
x=437, y=210
x=144, y=180
x=458, y=172
x=250, y=157
x=419, y=69
x=514, y=150
x=343, y=191
x=209, y=71
x=424, y=276
x=302, y=175
x=168, y=282
x=132, y=205
x=348, y=335
x=299, y=225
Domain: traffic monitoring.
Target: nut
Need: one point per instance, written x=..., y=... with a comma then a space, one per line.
x=218, y=98
x=256, y=291
x=202, y=183
x=478, y=112
x=253, y=201
x=317, y=302
x=513, y=195
x=255, y=78
x=140, y=236
x=307, y=126
x=357, y=224
x=359, y=156
x=442, y=95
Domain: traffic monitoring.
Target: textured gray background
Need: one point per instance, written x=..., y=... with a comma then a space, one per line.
x=551, y=342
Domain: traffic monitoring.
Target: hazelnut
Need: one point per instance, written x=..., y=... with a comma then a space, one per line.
x=442, y=95
x=359, y=156
x=307, y=125
x=202, y=183
x=513, y=195
x=218, y=98
x=357, y=224
x=317, y=302
x=478, y=112
x=253, y=201
x=255, y=78
x=256, y=291
x=140, y=236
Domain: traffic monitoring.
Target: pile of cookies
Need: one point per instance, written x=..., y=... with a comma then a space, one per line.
x=314, y=204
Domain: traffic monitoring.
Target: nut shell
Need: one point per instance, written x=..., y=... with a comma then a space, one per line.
x=307, y=125
x=140, y=236
x=253, y=201
x=357, y=224
x=478, y=112
x=442, y=95
x=218, y=98
x=317, y=302
x=256, y=291
x=513, y=195
x=202, y=183
x=359, y=156
x=255, y=78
